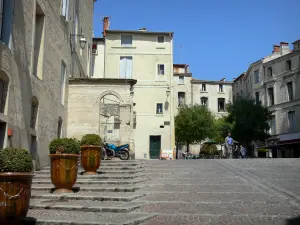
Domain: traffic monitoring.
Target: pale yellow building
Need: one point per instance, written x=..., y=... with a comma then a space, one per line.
x=129, y=94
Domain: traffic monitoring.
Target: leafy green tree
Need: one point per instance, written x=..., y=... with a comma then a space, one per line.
x=193, y=124
x=221, y=129
x=250, y=121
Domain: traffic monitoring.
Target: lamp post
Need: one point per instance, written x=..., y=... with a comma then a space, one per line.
x=82, y=40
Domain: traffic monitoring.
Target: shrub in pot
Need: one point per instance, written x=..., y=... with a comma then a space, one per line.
x=15, y=184
x=209, y=151
x=64, y=153
x=91, y=153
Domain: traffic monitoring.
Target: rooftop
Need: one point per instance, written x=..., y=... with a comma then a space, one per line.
x=140, y=32
x=196, y=81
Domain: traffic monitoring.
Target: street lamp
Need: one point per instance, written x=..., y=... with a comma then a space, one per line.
x=82, y=40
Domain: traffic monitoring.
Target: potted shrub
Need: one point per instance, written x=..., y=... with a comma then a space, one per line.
x=15, y=182
x=64, y=153
x=208, y=151
x=91, y=153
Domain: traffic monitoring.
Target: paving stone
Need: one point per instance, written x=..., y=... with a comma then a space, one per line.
x=94, y=187
x=97, y=176
x=62, y=217
x=197, y=181
x=83, y=205
x=198, y=188
x=47, y=180
x=86, y=195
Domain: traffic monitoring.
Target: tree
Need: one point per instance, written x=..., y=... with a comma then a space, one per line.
x=250, y=120
x=193, y=124
x=221, y=129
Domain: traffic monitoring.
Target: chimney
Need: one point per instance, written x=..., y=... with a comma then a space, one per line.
x=284, y=48
x=105, y=25
x=276, y=49
x=143, y=29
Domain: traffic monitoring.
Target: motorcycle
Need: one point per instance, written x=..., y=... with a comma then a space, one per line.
x=111, y=150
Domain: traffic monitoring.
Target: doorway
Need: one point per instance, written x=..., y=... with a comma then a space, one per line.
x=2, y=134
x=155, y=146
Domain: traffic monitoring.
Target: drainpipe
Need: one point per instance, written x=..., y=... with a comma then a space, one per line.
x=172, y=125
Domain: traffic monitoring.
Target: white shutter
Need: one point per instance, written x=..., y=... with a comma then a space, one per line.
x=63, y=7
x=1, y=13
x=67, y=9
x=128, y=67
x=123, y=67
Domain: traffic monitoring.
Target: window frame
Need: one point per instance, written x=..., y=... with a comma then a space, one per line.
x=159, y=70
x=157, y=109
x=126, y=45
x=181, y=80
x=221, y=88
x=162, y=40
x=290, y=95
x=203, y=85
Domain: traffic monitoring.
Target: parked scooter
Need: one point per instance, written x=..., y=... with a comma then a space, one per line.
x=111, y=150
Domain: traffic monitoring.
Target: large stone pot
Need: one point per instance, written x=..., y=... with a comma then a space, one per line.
x=90, y=158
x=15, y=193
x=64, y=169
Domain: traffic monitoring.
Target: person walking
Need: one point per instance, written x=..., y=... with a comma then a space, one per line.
x=229, y=145
x=243, y=152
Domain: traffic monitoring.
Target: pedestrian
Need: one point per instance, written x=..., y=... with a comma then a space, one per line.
x=229, y=145
x=243, y=152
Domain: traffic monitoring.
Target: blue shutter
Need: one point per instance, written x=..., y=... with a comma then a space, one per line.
x=7, y=21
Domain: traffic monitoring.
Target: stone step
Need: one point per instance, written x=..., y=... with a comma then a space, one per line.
x=55, y=217
x=97, y=176
x=91, y=187
x=47, y=180
x=81, y=171
x=84, y=205
x=88, y=195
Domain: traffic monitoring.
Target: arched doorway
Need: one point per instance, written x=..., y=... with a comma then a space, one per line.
x=110, y=117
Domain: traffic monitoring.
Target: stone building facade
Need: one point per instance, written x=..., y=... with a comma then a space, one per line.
x=36, y=60
x=132, y=80
x=273, y=81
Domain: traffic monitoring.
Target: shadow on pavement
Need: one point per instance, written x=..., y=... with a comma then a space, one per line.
x=29, y=221
x=293, y=221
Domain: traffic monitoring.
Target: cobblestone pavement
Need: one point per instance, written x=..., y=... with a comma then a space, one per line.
x=213, y=192
x=192, y=192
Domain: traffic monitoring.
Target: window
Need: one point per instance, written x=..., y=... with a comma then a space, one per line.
x=221, y=88
x=181, y=99
x=62, y=82
x=289, y=87
x=39, y=38
x=160, y=39
x=126, y=40
x=59, y=127
x=204, y=101
x=271, y=96
x=3, y=94
x=181, y=79
x=256, y=77
x=241, y=92
x=221, y=104
x=269, y=72
x=288, y=65
x=161, y=69
x=6, y=21
x=203, y=87
x=159, y=108
x=257, y=97
x=272, y=125
x=126, y=67
x=291, y=121
x=65, y=9
x=34, y=110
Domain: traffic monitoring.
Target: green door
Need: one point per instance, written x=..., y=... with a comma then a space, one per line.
x=155, y=145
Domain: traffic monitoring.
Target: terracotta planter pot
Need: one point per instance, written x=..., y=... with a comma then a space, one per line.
x=15, y=193
x=64, y=169
x=90, y=158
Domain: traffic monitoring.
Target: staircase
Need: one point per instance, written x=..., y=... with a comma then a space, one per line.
x=105, y=198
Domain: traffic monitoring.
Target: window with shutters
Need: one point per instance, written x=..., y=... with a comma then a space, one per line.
x=126, y=67
x=3, y=92
x=65, y=9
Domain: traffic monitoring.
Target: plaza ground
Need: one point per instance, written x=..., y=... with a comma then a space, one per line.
x=193, y=192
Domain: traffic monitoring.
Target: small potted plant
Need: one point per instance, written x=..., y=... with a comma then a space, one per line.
x=64, y=153
x=91, y=153
x=15, y=184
